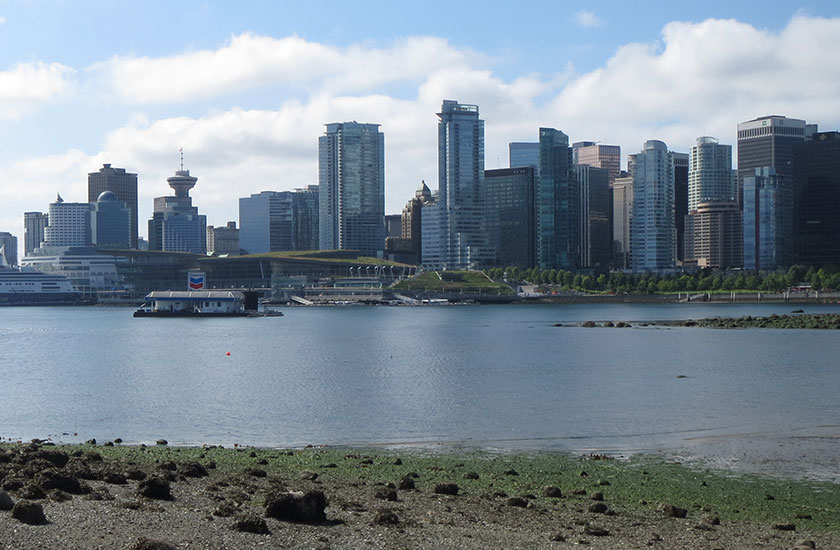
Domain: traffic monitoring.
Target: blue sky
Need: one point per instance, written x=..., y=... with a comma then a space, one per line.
x=246, y=87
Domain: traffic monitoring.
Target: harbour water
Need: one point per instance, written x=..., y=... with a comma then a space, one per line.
x=489, y=377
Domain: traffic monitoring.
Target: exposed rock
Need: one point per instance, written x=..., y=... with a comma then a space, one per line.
x=29, y=512
x=471, y=475
x=32, y=491
x=225, y=510
x=595, y=531
x=406, y=484
x=671, y=511
x=711, y=520
x=192, y=469
x=57, y=458
x=161, y=442
x=557, y=537
x=397, y=462
x=517, y=502
x=149, y=544
x=552, y=491
x=135, y=475
x=804, y=544
x=446, y=489
x=156, y=488
x=308, y=475
x=250, y=523
x=168, y=465
x=598, y=508
x=597, y=496
x=589, y=324
x=114, y=478
x=511, y=472
x=255, y=472
x=53, y=478
x=386, y=517
x=297, y=506
x=6, y=502
x=784, y=526
x=385, y=493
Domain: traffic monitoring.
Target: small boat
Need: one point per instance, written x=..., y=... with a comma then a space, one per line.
x=198, y=303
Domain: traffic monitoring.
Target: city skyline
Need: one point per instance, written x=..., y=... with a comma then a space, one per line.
x=260, y=116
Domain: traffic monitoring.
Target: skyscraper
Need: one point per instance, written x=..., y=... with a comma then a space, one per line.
x=769, y=141
x=622, y=212
x=509, y=215
x=557, y=200
x=600, y=156
x=9, y=246
x=176, y=225
x=460, y=181
x=768, y=220
x=816, y=200
x=307, y=218
x=274, y=221
x=680, y=198
x=33, y=230
x=653, y=232
x=595, y=216
x=524, y=154
x=351, y=177
x=122, y=184
x=710, y=174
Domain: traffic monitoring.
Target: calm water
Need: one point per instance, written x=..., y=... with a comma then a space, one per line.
x=484, y=376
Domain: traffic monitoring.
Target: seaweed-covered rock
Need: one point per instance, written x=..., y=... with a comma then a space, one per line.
x=192, y=469
x=446, y=489
x=156, y=488
x=250, y=523
x=6, y=502
x=150, y=544
x=29, y=512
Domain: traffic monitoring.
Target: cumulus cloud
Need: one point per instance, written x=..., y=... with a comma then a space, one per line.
x=694, y=79
x=248, y=61
x=28, y=85
x=588, y=19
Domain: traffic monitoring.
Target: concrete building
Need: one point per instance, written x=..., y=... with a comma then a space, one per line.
x=714, y=235
x=110, y=222
x=509, y=215
x=710, y=174
x=273, y=221
x=407, y=248
x=34, y=224
x=653, y=232
x=460, y=183
x=432, y=250
x=600, y=156
x=769, y=141
x=176, y=225
x=768, y=220
x=124, y=186
x=69, y=224
x=223, y=241
x=351, y=177
x=557, y=199
x=816, y=200
x=9, y=246
x=622, y=212
x=596, y=239
x=307, y=218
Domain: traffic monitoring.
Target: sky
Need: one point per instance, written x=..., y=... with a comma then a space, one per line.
x=245, y=88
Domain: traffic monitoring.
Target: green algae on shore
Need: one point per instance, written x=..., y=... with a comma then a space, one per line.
x=640, y=483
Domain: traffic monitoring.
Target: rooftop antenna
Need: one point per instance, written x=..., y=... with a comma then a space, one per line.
x=181, y=151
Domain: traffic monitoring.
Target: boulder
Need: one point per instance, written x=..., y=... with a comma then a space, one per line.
x=297, y=506
x=5, y=501
x=250, y=523
x=446, y=489
x=29, y=512
x=156, y=488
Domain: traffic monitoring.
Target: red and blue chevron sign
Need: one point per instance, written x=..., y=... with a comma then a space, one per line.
x=196, y=280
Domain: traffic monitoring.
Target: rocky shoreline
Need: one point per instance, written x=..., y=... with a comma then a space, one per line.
x=797, y=320
x=143, y=498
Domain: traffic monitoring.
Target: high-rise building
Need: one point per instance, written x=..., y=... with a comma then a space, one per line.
x=176, y=225
x=557, y=200
x=407, y=247
x=351, y=177
x=393, y=225
x=9, y=247
x=524, y=154
x=710, y=174
x=768, y=220
x=110, y=222
x=816, y=200
x=680, y=199
x=460, y=182
x=622, y=212
x=69, y=224
x=769, y=141
x=595, y=216
x=307, y=218
x=34, y=224
x=223, y=240
x=714, y=235
x=600, y=156
x=653, y=232
x=122, y=184
x=509, y=215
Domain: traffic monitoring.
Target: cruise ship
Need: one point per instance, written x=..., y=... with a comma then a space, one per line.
x=20, y=287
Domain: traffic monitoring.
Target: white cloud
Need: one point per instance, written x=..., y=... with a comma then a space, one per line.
x=248, y=61
x=2, y=19
x=588, y=19
x=28, y=85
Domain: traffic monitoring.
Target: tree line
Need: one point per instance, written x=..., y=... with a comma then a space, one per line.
x=704, y=280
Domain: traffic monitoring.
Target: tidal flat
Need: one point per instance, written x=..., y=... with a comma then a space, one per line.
x=96, y=496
